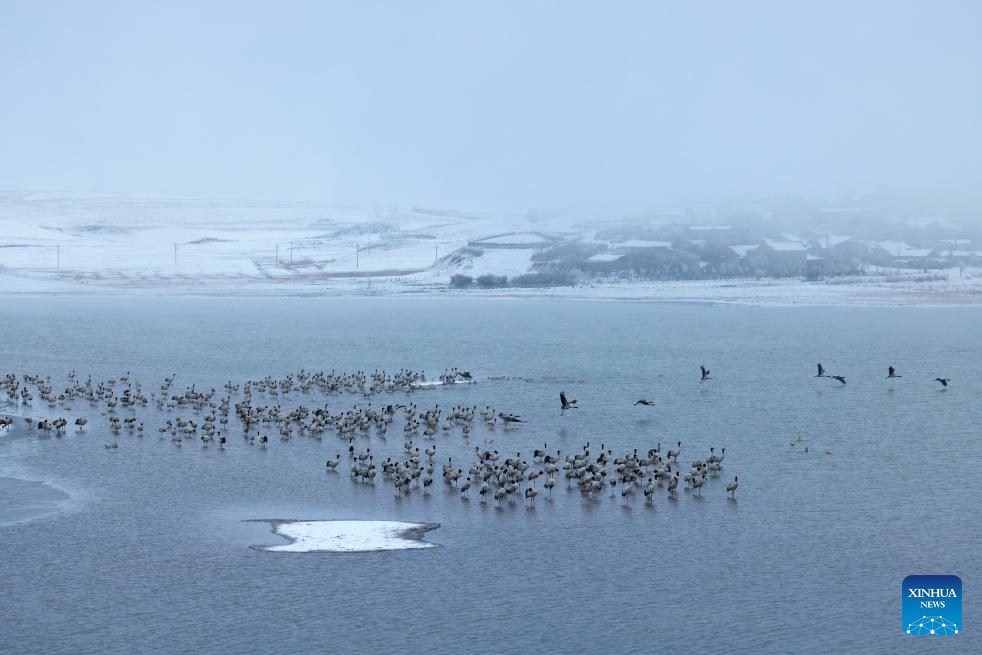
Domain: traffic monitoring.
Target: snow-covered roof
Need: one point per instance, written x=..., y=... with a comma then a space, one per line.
x=708, y=228
x=515, y=238
x=741, y=251
x=644, y=243
x=956, y=242
x=604, y=257
x=901, y=249
x=833, y=240
x=960, y=253
x=787, y=246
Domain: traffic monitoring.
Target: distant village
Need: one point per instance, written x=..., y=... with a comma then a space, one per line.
x=665, y=249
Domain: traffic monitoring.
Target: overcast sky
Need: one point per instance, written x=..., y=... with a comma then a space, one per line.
x=490, y=104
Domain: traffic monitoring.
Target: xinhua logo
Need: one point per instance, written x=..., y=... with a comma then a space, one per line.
x=932, y=605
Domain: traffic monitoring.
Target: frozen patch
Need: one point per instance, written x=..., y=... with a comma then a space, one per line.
x=349, y=536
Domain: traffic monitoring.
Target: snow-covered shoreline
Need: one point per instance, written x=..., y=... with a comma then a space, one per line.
x=774, y=292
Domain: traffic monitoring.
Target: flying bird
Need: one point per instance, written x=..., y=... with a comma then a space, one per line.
x=944, y=381
x=839, y=378
x=566, y=404
x=643, y=401
x=892, y=373
x=705, y=374
x=821, y=371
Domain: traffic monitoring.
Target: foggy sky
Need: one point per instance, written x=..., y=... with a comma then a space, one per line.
x=491, y=104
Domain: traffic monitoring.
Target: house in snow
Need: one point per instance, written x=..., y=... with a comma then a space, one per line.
x=954, y=244
x=903, y=255
x=655, y=259
x=959, y=258
x=635, y=245
x=602, y=262
x=740, y=252
x=515, y=240
x=778, y=258
x=847, y=250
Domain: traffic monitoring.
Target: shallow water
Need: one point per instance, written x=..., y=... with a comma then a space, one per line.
x=153, y=556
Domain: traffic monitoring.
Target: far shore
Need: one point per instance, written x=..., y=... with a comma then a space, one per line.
x=744, y=292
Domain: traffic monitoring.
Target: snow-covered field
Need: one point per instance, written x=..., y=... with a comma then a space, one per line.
x=349, y=536
x=75, y=243
x=60, y=242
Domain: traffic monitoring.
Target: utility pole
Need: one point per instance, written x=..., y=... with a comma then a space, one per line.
x=58, y=256
x=291, y=253
x=175, y=255
x=277, y=255
x=356, y=256
x=436, y=253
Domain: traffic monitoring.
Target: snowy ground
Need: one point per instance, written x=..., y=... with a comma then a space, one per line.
x=76, y=243
x=126, y=243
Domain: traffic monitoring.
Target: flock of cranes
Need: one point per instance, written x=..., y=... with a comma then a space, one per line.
x=505, y=480
x=213, y=417
x=212, y=413
x=259, y=409
x=891, y=374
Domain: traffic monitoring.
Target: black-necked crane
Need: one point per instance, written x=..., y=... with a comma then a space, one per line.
x=821, y=371
x=705, y=374
x=732, y=487
x=649, y=490
x=673, y=453
x=549, y=484
x=839, y=378
x=566, y=404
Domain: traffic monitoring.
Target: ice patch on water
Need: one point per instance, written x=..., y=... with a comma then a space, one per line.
x=440, y=383
x=349, y=536
x=26, y=495
x=24, y=500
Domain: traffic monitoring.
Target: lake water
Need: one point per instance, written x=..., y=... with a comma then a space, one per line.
x=145, y=550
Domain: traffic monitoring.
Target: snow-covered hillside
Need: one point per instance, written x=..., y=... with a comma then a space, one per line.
x=71, y=243
x=105, y=241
